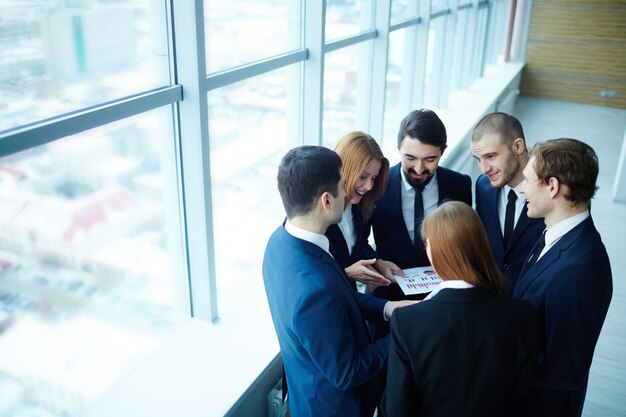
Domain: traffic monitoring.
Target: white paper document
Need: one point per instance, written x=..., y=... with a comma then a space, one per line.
x=418, y=280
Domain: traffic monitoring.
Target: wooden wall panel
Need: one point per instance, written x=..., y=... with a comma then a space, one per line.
x=579, y=25
x=574, y=90
x=576, y=49
x=579, y=60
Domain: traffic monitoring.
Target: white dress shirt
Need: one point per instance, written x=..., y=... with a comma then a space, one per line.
x=312, y=237
x=346, y=225
x=430, y=198
x=457, y=284
x=556, y=232
x=503, y=200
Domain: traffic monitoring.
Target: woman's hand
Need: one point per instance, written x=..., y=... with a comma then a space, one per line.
x=363, y=271
x=387, y=269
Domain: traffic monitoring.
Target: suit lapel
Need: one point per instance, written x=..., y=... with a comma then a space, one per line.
x=339, y=251
x=492, y=206
x=527, y=277
x=395, y=193
x=522, y=223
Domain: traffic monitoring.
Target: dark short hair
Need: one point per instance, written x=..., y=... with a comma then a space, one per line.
x=425, y=126
x=572, y=162
x=304, y=174
x=507, y=127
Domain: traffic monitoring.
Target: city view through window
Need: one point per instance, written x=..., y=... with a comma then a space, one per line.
x=95, y=248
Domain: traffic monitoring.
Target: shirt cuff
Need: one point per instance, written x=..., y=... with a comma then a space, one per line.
x=384, y=310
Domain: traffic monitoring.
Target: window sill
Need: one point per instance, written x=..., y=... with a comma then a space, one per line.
x=202, y=370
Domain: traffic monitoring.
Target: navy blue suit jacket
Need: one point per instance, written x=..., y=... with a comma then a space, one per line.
x=465, y=352
x=339, y=247
x=393, y=242
x=511, y=258
x=571, y=288
x=330, y=363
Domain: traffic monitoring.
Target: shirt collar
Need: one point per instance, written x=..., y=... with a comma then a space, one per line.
x=555, y=232
x=457, y=284
x=507, y=188
x=312, y=237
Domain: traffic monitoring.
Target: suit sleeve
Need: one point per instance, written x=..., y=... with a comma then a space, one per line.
x=323, y=325
x=371, y=307
x=575, y=307
x=399, y=398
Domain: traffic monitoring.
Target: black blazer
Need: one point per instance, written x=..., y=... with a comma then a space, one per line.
x=339, y=247
x=393, y=242
x=465, y=352
x=511, y=258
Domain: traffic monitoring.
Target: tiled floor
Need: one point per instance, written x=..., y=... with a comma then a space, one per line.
x=603, y=128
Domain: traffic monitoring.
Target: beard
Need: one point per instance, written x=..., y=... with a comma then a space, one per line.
x=418, y=183
x=509, y=173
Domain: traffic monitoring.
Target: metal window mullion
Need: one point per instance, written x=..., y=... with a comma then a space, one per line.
x=470, y=50
x=295, y=109
x=36, y=134
x=437, y=71
x=521, y=29
x=486, y=41
x=418, y=65
x=413, y=21
x=349, y=41
x=196, y=157
x=243, y=72
x=313, y=72
x=375, y=114
x=459, y=59
x=448, y=55
x=491, y=44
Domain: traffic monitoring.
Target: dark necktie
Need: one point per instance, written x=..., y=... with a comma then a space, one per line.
x=541, y=243
x=509, y=218
x=418, y=215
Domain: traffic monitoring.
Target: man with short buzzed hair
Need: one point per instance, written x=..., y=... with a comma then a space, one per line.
x=499, y=147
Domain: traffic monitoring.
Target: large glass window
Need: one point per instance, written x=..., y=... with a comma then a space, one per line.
x=340, y=92
x=398, y=81
x=105, y=243
x=90, y=262
x=75, y=54
x=400, y=10
x=459, y=52
x=246, y=31
x=249, y=135
x=434, y=61
x=345, y=17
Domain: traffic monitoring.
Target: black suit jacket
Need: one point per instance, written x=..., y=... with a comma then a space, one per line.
x=511, y=258
x=393, y=242
x=465, y=352
x=339, y=247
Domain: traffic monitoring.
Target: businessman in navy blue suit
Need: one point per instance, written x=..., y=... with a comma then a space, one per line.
x=568, y=276
x=499, y=147
x=332, y=368
x=422, y=140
